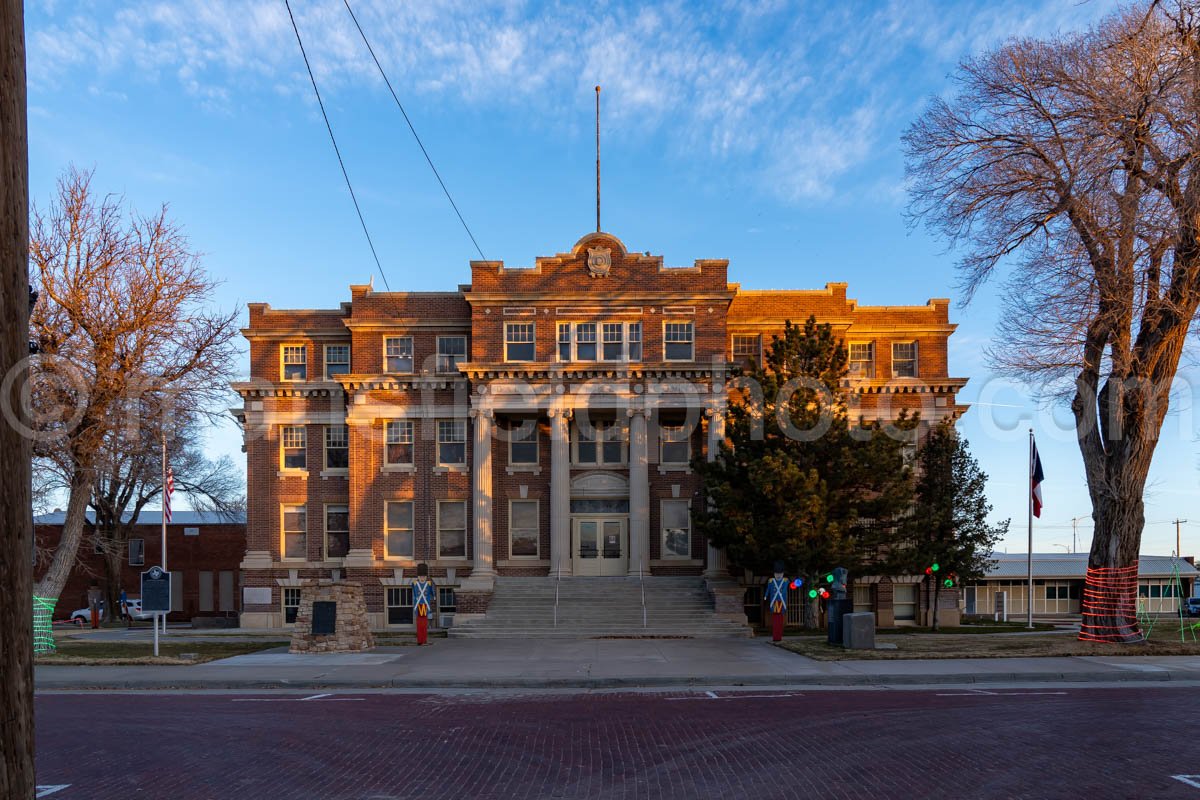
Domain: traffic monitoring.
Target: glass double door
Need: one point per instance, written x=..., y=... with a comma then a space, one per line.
x=600, y=546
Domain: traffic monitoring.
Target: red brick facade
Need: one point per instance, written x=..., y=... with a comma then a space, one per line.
x=596, y=335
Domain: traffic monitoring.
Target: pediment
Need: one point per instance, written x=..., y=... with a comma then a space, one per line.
x=599, y=484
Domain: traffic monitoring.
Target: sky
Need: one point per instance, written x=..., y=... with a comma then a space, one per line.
x=762, y=131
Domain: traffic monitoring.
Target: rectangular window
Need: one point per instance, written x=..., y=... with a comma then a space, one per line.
x=676, y=529
x=225, y=590
x=337, y=360
x=337, y=447
x=564, y=341
x=677, y=341
x=601, y=442
x=293, y=441
x=137, y=552
x=862, y=359
x=904, y=602
x=398, y=354
x=291, y=603
x=399, y=605
x=295, y=362
x=452, y=351
x=523, y=442
x=295, y=532
x=206, y=590
x=746, y=346
x=676, y=449
x=613, y=334
x=447, y=602
x=904, y=359
x=519, y=341
x=862, y=597
x=452, y=442
x=635, y=341
x=398, y=530
x=398, y=448
x=585, y=341
x=337, y=531
x=452, y=529
x=523, y=528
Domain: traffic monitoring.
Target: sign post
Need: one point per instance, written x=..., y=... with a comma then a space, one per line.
x=156, y=596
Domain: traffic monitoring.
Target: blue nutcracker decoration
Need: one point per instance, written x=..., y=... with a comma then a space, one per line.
x=777, y=589
x=424, y=602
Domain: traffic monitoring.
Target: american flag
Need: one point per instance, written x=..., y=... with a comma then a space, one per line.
x=167, y=494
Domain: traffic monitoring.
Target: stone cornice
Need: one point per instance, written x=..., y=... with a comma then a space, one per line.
x=358, y=382
x=284, y=389
x=554, y=370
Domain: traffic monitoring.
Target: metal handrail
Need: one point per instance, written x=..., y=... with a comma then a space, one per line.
x=557, y=583
x=642, y=581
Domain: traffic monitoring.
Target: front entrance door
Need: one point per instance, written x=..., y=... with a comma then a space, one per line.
x=599, y=546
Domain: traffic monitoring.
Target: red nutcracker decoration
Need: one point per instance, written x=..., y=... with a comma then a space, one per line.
x=423, y=602
x=777, y=601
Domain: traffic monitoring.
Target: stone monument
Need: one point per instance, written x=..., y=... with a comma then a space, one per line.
x=332, y=618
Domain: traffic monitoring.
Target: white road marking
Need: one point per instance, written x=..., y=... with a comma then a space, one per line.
x=46, y=791
x=323, y=697
x=736, y=696
x=315, y=697
x=985, y=693
x=713, y=695
x=1190, y=780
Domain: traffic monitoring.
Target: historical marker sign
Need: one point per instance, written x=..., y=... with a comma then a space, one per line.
x=324, y=618
x=156, y=590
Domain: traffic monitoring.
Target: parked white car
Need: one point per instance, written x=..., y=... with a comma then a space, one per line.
x=133, y=605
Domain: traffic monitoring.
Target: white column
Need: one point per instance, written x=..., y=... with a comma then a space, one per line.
x=716, y=566
x=560, y=492
x=639, y=496
x=483, y=564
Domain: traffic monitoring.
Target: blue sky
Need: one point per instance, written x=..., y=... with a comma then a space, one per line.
x=759, y=131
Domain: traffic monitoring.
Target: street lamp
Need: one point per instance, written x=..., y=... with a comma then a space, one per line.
x=1074, y=529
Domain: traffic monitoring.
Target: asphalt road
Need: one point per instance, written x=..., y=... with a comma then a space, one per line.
x=949, y=743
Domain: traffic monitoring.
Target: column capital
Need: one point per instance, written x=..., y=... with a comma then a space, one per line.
x=561, y=413
x=640, y=412
x=483, y=413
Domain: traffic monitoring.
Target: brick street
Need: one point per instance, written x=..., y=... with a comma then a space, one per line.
x=1052, y=742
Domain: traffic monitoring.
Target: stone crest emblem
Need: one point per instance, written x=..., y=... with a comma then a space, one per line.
x=599, y=261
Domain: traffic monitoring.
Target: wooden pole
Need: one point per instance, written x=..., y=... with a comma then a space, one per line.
x=16, y=522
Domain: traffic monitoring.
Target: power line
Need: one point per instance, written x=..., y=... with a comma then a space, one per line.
x=420, y=144
x=336, y=150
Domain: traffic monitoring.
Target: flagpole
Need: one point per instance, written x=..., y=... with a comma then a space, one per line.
x=1029, y=554
x=163, y=515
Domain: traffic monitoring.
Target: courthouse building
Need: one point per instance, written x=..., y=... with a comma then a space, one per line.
x=536, y=421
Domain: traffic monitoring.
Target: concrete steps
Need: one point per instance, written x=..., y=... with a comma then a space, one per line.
x=598, y=608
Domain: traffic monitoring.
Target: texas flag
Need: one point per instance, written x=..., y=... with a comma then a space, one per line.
x=1035, y=478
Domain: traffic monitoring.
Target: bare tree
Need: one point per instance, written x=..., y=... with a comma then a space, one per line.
x=126, y=340
x=1075, y=160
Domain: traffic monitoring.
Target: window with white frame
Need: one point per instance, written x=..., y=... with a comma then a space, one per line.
x=291, y=603
x=599, y=442
x=607, y=341
x=295, y=362
x=634, y=333
x=337, y=360
x=447, y=602
x=519, y=341
x=747, y=346
x=295, y=532
x=676, y=529
x=337, y=531
x=137, y=552
x=452, y=351
x=452, y=442
x=674, y=444
x=452, y=528
x=399, y=605
x=398, y=354
x=523, y=528
x=862, y=597
x=337, y=447
x=613, y=341
x=678, y=340
x=585, y=341
x=565, y=340
x=862, y=359
x=293, y=444
x=904, y=602
x=398, y=539
x=398, y=442
x=523, y=442
x=904, y=359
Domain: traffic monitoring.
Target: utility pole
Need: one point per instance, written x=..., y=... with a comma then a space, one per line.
x=1178, y=551
x=16, y=524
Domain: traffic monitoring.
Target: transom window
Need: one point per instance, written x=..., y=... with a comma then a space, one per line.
x=398, y=447
x=862, y=359
x=904, y=359
x=295, y=532
x=678, y=340
x=293, y=442
x=523, y=442
x=337, y=531
x=398, y=354
x=452, y=351
x=676, y=529
x=675, y=447
x=337, y=447
x=295, y=362
x=523, y=528
x=519, y=341
x=337, y=360
x=747, y=346
x=452, y=442
x=398, y=529
x=600, y=442
x=452, y=529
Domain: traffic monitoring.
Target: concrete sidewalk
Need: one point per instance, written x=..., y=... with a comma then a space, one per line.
x=603, y=663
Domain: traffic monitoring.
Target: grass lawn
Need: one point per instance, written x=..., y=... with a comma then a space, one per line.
x=89, y=653
x=1163, y=641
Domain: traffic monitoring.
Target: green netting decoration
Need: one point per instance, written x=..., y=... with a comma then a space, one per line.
x=43, y=624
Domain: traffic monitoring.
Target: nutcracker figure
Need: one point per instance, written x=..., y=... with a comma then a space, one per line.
x=777, y=589
x=424, y=602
